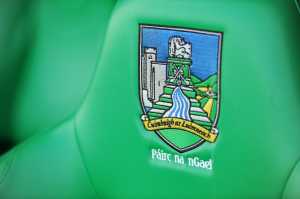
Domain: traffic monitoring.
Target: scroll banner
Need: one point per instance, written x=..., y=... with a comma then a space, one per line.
x=177, y=123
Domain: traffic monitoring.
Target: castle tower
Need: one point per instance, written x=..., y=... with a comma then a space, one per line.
x=179, y=61
x=149, y=56
x=158, y=79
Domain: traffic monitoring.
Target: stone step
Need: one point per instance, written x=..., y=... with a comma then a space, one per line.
x=196, y=109
x=200, y=118
x=168, y=90
x=195, y=104
x=182, y=87
x=164, y=104
x=166, y=99
x=166, y=96
x=170, y=86
x=157, y=106
x=203, y=114
x=153, y=115
x=186, y=88
x=154, y=110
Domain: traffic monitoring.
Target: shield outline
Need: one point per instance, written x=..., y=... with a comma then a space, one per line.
x=182, y=29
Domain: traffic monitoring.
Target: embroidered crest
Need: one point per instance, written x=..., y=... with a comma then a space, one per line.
x=180, y=84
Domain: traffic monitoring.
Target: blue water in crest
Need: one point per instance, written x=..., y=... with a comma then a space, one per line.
x=181, y=105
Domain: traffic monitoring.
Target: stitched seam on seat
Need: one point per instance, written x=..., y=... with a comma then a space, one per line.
x=92, y=80
x=288, y=177
x=83, y=161
x=298, y=5
x=14, y=150
x=8, y=165
x=82, y=102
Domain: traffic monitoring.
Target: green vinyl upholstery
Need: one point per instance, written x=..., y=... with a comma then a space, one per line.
x=74, y=109
x=46, y=166
x=71, y=36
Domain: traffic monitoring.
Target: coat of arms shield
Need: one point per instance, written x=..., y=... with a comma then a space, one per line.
x=179, y=84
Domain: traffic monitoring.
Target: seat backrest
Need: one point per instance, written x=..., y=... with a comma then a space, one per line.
x=127, y=135
x=190, y=99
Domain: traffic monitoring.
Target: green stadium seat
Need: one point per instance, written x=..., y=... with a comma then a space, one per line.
x=71, y=101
